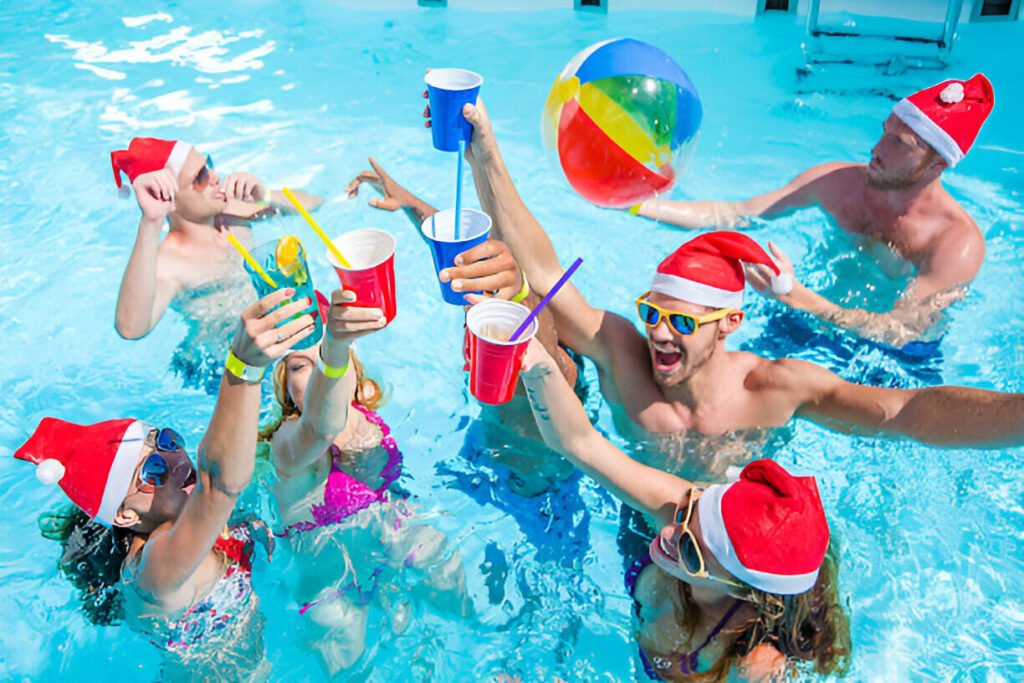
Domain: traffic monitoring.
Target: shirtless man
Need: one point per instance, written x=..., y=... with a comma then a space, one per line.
x=174, y=182
x=678, y=377
x=897, y=202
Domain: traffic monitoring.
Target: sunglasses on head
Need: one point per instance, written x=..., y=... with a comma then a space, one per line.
x=691, y=559
x=202, y=178
x=681, y=323
x=155, y=468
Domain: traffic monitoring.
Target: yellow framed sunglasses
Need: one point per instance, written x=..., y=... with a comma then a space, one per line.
x=681, y=323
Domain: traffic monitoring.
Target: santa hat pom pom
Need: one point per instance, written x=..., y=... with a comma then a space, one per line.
x=782, y=284
x=952, y=93
x=50, y=471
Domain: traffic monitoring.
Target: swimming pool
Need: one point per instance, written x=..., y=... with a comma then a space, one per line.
x=931, y=540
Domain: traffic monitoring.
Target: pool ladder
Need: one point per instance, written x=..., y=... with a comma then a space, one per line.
x=849, y=44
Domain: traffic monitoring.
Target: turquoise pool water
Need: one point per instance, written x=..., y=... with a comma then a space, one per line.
x=931, y=541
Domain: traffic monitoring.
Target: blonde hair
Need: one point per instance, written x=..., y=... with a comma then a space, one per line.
x=368, y=394
x=811, y=627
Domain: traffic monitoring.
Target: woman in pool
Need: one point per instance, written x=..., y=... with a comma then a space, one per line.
x=742, y=574
x=149, y=539
x=350, y=528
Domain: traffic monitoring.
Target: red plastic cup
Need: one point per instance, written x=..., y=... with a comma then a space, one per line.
x=494, y=364
x=371, y=253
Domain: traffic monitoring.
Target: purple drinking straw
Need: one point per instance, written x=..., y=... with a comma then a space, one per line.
x=544, y=302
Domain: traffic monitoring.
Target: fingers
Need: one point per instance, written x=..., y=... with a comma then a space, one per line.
x=363, y=177
x=264, y=305
x=484, y=250
x=426, y=115
x=759, y=277
x=290, y=334
x=381, y=173
x=287, y=311
x=342, y=296
x=386, y=203
x=491, y=283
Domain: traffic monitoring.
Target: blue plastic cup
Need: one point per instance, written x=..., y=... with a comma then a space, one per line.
x=449, y=91
x=439, y=232
x=293, y=274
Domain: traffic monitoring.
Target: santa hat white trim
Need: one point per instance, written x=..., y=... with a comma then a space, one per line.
x=122, y=470
x=931, y=132
x=695, y=292
x=178, y=156
x=716, y=538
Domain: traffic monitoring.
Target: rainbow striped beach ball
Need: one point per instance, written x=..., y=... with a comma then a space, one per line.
x=621, y=120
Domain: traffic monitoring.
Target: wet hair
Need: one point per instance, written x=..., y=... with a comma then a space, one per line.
x=811, y=627
x=91, y=561
x=368, y=394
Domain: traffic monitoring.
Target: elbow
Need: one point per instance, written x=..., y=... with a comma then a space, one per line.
x=129, y=329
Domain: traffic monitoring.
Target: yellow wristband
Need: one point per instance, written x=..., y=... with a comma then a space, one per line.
x=524, y=292
x=635, y=209
x=329, y=370
x=238, y=368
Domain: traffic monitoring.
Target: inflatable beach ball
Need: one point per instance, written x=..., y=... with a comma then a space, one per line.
x=621, y=120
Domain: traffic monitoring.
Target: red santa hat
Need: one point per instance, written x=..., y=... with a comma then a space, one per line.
x=949, y=115
x=708, y=270
x=145, y=155
x=94, y=464
x=767, y=528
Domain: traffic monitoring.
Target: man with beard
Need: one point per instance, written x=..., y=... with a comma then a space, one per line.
x=679, y=377
x=896, y=202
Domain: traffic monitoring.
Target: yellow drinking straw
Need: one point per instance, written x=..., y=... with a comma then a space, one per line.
x=251, y=261
x=316, y=228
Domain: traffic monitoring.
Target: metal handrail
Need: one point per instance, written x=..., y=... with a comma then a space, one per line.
x=945, y=41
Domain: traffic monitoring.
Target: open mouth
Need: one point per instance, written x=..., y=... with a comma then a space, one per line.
x=667, y=362
x=190, y=479
x=660, y=548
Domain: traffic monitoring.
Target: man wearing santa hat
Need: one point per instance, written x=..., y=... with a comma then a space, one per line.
x=676, y=375
x=173, y=182
x=896, y=202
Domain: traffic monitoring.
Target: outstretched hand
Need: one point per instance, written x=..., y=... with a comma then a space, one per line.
x=760, y=276
x=394, y=195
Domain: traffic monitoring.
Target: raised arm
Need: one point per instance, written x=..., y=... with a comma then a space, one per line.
x=722, y=215
x=326, y=403
x=942, y=416
x=579, y=324
x=942, y=280
x=394, y=196
x=565, y=427
x=146, y=287
x=226, y=455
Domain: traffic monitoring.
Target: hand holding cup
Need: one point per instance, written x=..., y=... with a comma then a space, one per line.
x=258, y=341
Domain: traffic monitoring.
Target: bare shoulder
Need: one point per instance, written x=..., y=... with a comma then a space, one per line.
x=959, y=240
x=789, y=375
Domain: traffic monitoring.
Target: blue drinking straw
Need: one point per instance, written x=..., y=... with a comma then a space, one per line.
x=458, y=189
x=544, y=302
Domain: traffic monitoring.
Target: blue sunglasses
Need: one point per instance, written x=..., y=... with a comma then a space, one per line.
x=155, y=467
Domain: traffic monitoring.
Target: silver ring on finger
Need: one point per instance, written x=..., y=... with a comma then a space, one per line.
x=280, y=337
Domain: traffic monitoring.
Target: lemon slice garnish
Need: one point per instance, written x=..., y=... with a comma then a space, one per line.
x=289, y=255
